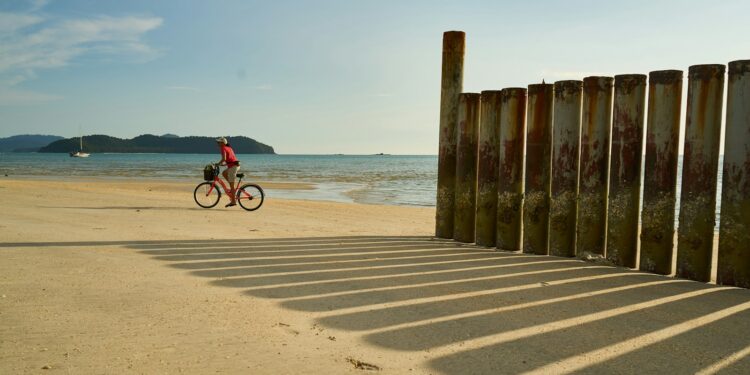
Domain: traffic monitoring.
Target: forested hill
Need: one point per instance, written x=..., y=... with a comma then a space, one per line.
x=157, y=144
x=26, y=142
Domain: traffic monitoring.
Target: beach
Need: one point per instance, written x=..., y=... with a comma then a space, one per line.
x=130, y=276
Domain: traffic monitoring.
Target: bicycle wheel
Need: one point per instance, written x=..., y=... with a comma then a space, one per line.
x=250, y=197
x=206, y=194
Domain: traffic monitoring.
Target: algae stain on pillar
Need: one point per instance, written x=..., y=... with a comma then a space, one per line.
x=487, y=169
x=450, y=88
x=466, y=167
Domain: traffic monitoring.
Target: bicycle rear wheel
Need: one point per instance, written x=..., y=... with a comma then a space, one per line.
x=250, y=197
x=206, y=194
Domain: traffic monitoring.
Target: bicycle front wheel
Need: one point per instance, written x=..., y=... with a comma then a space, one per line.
x=250, y=197
x=206, y=194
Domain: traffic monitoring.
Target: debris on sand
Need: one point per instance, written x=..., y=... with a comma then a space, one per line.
x=596, y=258
x=359, y=365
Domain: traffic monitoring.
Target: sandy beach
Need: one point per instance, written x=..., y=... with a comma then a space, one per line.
x=111, y=276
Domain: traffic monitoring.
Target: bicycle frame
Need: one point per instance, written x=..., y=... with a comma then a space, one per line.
x=226, y=188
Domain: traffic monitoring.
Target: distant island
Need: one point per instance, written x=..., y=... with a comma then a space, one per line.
x=26, y=142
x=168, y=143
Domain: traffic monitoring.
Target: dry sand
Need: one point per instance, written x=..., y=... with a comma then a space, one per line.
x=132, y=277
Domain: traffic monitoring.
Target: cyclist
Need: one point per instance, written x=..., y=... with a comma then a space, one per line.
x=233, y=165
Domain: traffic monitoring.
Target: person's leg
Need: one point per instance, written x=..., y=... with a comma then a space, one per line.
x=231, y=176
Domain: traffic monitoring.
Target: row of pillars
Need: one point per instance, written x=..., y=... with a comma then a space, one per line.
x=577, y=191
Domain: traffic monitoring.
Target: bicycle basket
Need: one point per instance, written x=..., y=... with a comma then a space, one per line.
x=209, y=172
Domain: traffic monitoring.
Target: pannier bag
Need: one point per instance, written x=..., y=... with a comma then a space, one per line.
x=209, y=172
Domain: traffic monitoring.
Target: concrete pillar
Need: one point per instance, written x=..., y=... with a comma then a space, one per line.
x=734, y=235
x=699, y=172
x=451, y=86
x=487, y=170
x=537, y=175
x=660, y=171
x=566, y=133
x=625, y=169
x=510, y=181
x=594, y=168
x=466, y=167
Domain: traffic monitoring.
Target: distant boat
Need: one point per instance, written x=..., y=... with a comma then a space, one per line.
x=79, y=153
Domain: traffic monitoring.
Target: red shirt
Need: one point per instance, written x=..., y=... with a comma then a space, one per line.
x=228, y=155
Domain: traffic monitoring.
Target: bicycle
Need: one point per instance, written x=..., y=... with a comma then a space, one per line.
x=207, y=194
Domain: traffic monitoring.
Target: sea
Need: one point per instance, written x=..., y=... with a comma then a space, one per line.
x=373, y=179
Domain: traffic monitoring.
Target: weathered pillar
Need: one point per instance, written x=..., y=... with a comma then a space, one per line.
x=466, y=167
x=487, y=169
x=594, y=171
x=625, y=169
x=700, y=166
x=734, y=234
x=660, y=171
x=538, y=158
x=510, y=181
x=566, y=133
x=450, y=87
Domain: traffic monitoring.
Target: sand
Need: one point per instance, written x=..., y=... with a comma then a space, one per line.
x=105, y=276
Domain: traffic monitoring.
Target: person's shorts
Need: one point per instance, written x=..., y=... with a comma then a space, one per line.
x=232, y=173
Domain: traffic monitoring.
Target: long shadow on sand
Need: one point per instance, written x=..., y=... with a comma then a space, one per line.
x=473, y=310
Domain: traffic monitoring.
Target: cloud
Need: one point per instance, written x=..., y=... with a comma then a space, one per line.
x=31, y=42
x=263, y=87
x=21, y=97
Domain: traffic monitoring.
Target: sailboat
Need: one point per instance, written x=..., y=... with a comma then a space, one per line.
x=79, y=153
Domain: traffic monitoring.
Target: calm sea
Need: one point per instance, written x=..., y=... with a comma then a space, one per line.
x=377, y=179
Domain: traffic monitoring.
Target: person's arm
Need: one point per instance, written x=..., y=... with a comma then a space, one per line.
x=223, y=157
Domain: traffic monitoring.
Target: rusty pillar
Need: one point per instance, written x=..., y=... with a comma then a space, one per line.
x=538, y=158
x=625, y=169
x=566, y=132
x=594, y=165
x=660, y=171
x=466, y=167
x=487, y=169
x=510, y=162
x=734, y=234
x=450, y=87
x=699, y=168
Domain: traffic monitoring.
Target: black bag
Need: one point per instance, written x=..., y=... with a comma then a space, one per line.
x=209, y=172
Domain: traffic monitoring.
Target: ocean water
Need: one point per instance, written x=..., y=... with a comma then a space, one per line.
x=375, y=179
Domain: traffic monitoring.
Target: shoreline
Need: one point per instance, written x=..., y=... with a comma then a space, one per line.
x=341, y=192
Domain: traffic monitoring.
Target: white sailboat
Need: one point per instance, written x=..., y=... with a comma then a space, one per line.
x=79, y=153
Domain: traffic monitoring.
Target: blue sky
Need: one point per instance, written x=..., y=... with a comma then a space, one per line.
x=321, y=76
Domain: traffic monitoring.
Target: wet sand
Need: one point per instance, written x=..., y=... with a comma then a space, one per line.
x=110, y=277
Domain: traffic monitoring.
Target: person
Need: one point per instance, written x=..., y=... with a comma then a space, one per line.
x=233, y=165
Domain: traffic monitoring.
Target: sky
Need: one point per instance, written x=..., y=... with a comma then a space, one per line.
x=321, y=77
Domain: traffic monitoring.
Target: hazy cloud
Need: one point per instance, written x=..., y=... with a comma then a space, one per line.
x=555, y=75
x=31, y=42
x=183, y=88
x=263, y=87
